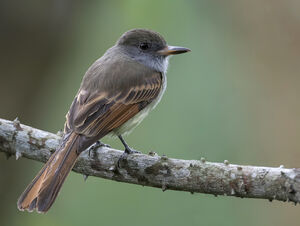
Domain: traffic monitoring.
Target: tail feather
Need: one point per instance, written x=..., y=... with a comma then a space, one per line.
x=43, y=190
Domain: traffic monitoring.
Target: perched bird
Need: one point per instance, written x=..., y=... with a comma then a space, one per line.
x=116, y=94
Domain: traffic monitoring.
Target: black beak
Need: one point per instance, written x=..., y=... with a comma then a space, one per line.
x=173, y=50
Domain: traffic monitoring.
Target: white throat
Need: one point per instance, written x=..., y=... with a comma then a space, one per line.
x=158, y=64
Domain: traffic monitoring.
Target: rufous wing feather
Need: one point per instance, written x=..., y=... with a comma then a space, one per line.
x=98, y=114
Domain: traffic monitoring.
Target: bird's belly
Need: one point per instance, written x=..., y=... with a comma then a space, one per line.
x=128, y=126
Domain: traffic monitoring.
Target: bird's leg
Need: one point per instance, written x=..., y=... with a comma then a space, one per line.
x=128, y=150
x=96, y=145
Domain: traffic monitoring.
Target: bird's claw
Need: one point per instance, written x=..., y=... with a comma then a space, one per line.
x=128, y=151
x=96, y=145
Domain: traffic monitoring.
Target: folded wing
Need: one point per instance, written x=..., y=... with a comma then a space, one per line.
x=98, y=114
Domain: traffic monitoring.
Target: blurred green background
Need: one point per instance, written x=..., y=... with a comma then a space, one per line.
x=235, y=96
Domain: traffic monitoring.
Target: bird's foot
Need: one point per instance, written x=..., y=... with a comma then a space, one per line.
x=127, y=151
x=97, y=145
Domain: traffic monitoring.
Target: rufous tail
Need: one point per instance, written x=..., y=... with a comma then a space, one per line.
x=42, y=191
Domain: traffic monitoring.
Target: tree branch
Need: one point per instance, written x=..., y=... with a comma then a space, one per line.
x=155, y=171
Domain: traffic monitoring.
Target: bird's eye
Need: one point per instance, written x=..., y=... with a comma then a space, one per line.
x=144, y=46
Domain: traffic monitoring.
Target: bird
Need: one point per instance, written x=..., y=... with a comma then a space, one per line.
x=116, y=93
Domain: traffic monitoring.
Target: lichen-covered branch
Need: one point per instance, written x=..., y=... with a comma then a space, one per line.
x=155, y=171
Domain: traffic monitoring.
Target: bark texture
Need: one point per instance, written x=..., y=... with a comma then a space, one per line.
x=158, y=171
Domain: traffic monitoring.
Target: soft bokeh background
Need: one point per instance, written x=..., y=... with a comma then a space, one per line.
x=235, y=96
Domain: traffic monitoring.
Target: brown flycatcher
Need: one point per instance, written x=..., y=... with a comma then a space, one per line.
x=116, y=94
